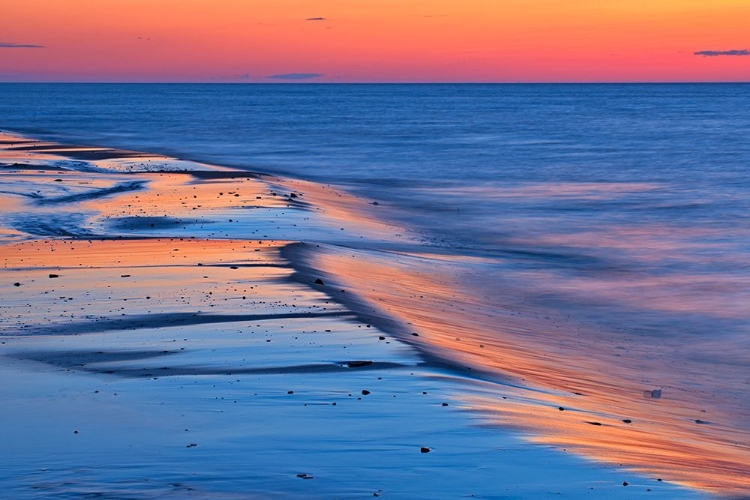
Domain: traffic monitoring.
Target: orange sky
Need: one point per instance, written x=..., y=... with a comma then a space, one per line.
x=374, y=40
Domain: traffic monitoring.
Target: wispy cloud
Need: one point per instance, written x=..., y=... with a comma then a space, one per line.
x=9, y=45
x=716, y=53
x=315, y=19
x=295, y=76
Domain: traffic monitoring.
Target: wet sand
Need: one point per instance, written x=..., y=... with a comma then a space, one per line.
x=172, y=329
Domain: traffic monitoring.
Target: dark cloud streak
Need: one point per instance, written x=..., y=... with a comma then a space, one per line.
x=296, y=76
x=717, y=53
x=9, y=45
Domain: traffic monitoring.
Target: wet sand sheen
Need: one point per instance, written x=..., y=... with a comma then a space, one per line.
x=155, y=271
x=575, y=388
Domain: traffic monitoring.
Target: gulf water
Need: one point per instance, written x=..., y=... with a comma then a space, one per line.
x=623, y=207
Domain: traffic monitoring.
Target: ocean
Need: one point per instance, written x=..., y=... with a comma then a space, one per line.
x=593, y=240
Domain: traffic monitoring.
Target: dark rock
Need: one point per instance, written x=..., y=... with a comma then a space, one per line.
x=16, y=284
x=357, y=364
x=627, y=421
x=625, y=483
x=594, y=423
x=54, y=275
x=561, y=408
x=375, y=203
x=191, y=445
x=415, y=334
x=303, y=475
x=365, y=392
x=233, y=267
x=425, y=449
x=379, y=338
x=654, y=393
x=319, y=282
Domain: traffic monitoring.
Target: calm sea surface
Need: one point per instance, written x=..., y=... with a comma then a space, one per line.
x=626, y=207
x=643, y=183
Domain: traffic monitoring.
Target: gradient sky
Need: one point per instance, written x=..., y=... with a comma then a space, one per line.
x=375, y=41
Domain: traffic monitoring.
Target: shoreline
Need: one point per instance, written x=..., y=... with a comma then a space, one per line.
x=181, y=232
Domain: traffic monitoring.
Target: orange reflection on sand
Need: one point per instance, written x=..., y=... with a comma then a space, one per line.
x=349, y=211
x=596, y=376
x=182, y=195
x=135, y=253
x=712, y=461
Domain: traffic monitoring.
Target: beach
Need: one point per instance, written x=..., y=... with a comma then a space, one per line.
x=175, y=329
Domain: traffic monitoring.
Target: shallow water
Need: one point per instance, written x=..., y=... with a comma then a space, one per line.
x=593, y=239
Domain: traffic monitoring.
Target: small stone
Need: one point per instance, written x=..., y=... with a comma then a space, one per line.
x=627, y=421
x=415, y=334
x=357, y=364
x=561, y=408
x=319, y=282
x=54, y=275
x=303, y=475
x=425, y=449
x=654, y=393
x=625, y=483
x=379, y=338
x=290, y=392
x=16, y=284
x=365, y=392
x=594, y=423
x=191, y=445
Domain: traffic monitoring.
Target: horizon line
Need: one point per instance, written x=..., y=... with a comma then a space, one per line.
x=300, y=83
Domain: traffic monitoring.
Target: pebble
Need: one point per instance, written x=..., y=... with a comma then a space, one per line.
x=357, y=364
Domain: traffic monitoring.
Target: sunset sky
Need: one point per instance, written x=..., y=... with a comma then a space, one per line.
x=374, y=41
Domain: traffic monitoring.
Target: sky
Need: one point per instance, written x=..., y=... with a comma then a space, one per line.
x=374, y=40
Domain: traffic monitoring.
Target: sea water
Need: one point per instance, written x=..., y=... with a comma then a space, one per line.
x=621, y=208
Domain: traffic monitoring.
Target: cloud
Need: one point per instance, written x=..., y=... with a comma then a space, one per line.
x=315, y=19
x=715, y=53
x=296, y=76
x=8, y=45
